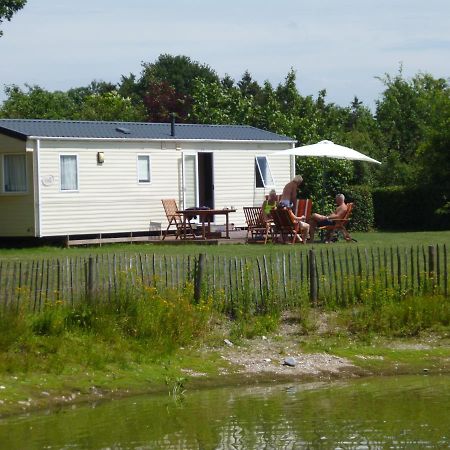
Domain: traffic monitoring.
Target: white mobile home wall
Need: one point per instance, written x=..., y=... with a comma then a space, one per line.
x=17, y=216
x=110, y=199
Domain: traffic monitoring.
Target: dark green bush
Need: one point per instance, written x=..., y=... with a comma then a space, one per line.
x=410, y=208
x=362, y=217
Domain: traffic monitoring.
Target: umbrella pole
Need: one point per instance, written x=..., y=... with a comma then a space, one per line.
x=322, y=200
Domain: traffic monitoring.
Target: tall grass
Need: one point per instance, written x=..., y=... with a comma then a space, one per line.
x=129, y=320
x=395, y=312
x=139, y=320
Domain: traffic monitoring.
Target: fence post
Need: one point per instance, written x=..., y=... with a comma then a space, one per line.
x=445, y=272
x=431, y=262
x=90, y=279
x=313, y=282
x=199, y=276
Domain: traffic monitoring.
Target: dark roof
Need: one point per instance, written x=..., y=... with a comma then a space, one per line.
x=24, y=128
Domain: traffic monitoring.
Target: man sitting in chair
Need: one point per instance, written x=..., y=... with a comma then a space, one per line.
x=318, y=220
x=303, y=226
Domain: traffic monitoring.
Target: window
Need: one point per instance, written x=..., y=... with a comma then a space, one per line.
x=144, y=168
x=69, y=172
x=262, y=172
x=14, y=173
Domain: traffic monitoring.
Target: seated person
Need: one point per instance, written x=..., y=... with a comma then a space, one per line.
x=289, y=195
x=268, y=205
x=318, y=220
x=302, y=225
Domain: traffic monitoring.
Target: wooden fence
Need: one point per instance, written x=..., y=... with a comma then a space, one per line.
x=320, y=275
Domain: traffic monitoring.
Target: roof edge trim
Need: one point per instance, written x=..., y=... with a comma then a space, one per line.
x=169, y=139
x=13, y=133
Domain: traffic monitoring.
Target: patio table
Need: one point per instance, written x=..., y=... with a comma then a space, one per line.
x=205, y=216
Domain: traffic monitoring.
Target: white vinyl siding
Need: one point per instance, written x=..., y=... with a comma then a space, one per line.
x=110, y=199
x=263, y=174
x=68, y=167
x=144, y=169
x=235, y=180
x=16, y=208
x=14, y=173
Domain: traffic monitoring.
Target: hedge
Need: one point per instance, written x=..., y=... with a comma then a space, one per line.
x=362, y=218
x=410, y=208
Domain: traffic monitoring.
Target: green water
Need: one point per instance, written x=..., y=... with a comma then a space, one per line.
x=404, y=412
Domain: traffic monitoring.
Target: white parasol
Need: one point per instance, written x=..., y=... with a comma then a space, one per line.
x=327, y=149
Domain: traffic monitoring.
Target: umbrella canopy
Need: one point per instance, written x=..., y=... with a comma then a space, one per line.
x=327, y=149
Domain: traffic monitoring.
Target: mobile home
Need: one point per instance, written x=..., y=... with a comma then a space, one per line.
x=65, y=178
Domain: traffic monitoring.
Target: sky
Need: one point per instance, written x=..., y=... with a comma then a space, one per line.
x=338, y=45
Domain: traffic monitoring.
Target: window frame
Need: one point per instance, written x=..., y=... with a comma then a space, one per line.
x=3, y=175
x=61, y=155
x=265, y=185
x=149, y=162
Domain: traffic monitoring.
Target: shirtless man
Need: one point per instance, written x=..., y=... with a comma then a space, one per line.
x=318, y=220
x=289, y=195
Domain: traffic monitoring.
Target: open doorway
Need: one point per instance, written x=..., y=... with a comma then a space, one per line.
x=205, y=180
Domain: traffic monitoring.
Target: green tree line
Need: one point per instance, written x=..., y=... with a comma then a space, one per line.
x=408, y=131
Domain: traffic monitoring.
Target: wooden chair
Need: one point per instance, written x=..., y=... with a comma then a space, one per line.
x=257, y=226
x=176, y=220
x=338, y=226
x=304, y=207
x=285, y=226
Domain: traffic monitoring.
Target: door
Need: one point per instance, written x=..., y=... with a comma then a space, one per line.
x=198, y=179
x=190, y=180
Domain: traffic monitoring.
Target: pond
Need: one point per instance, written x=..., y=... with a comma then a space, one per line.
x=391, y=412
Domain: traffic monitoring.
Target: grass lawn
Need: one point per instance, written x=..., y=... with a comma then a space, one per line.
x=149, y=340
x=365, y=240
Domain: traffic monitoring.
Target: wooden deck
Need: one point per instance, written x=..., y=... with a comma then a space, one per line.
x=236, y=237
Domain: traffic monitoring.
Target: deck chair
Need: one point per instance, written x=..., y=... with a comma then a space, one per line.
x=257, y=226
x=176, y=220
x=304, y=207
x=339, y=226
x=285, y=227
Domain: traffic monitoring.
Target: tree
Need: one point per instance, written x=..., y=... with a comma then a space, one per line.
x=8, y=8
x=407, y=113
x=434, y=150
x=178, y=71
x=76, y=104
x=109, y=106
x=217, y=104
x=96, y=87
x=161, y=99
x=248, y=86
x=36, y=103
x=171, y=78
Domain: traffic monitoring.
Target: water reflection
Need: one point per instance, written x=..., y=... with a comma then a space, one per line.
x=405, y=412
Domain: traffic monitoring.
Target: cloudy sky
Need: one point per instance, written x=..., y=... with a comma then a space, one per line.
x=339, y=45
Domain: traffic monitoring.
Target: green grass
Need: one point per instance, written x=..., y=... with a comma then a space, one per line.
x=143, y=337
x=367, y=240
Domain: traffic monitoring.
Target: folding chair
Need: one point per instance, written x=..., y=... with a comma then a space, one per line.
x=175, y=219
x=338, y=226
x=285, y=226
x=257, y=226
x=304, y=207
